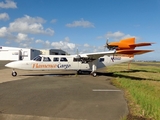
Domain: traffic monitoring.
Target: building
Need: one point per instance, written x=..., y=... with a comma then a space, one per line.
x=13, y=53
x=53, y=52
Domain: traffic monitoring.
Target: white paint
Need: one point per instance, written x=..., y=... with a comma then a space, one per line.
x=105, y=90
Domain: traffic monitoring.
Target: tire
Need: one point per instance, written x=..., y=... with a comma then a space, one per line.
x=14, y=74
x=94, y=74
x=79, y=72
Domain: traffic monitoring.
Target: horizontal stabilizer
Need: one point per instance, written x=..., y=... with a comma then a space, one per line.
x=140, y=44
x=128, y=43
x=133, y=52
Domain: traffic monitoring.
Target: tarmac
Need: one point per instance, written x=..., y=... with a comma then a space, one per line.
x=58, y=95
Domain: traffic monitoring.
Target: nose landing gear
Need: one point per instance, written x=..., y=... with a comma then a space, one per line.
x=14, y=73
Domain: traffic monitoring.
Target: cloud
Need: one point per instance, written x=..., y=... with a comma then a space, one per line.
x=81, y=23
x=24, y=40
x=86, y=45
x=4, y=16
x=3, y=32
x=29, y=25
x=44, y=43
x=8, y=4
x=20, y=30
x=63, y=45
x=54, y=21
x=47, y=42
x=21, y=37
x=117, y=35
x=39, y=41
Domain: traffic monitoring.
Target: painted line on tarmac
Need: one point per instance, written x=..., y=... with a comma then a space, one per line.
x=105, y=90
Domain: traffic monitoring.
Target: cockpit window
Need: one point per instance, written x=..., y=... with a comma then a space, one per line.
x=38, y=58
x=63, y=59
x=46, y=59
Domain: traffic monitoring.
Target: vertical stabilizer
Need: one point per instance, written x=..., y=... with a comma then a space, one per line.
x=128, y=41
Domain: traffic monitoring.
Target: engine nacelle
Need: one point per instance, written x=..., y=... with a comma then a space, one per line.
x=123, y=44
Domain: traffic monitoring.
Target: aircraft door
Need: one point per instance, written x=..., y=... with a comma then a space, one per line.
x=76, y=63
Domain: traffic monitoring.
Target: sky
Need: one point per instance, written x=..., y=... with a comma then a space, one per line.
x=82, y=25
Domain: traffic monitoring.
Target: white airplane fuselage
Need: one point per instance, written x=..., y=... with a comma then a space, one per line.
x=64, y=62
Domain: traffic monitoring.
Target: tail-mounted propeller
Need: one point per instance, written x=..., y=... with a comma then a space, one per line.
x=109, y=47
x=106, y=45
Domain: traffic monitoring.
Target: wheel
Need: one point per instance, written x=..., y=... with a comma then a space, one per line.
x=14, y=74
x=94, y=74
x=79, y=72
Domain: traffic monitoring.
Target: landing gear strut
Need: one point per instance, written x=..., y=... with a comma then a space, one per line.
x=94, y=68
x=14, y=73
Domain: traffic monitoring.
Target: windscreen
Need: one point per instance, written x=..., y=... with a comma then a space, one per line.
x=38, y=58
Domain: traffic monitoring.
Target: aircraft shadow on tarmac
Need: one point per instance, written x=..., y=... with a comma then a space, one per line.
x=133, y=70
x=133, y=77
x=111, y=74
x=69, y=74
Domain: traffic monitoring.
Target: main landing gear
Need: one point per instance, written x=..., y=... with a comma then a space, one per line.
x=14, y=73
x=94, y=68
x=94, y=74
x=79, y=72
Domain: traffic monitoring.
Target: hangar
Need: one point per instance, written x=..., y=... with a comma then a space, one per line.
x=53, y=52
x=14, y=53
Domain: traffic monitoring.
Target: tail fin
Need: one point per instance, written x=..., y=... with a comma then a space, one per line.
x=128, y=43
x=127, y=47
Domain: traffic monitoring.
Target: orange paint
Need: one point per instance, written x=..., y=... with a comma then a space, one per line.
x=127, y=46
x=36, y=65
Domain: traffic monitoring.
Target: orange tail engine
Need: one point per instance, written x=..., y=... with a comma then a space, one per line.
x=127, y=46
x=123, y=44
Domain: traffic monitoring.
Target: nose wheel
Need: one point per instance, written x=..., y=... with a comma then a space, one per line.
x=14, y=73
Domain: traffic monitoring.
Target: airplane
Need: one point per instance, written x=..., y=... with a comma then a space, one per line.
x=119, y=52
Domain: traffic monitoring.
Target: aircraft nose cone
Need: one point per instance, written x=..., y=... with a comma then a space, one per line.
x=10, y=65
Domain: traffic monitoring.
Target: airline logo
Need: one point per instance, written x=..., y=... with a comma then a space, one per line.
x=64, y=66
x=115, y=58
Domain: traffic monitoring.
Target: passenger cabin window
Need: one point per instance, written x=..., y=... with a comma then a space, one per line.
x=46, y=59
x=101, y=60
x=38, y=58
x=63, y=59
x=56, y=59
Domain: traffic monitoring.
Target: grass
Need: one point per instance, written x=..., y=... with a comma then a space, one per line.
x=142, y=88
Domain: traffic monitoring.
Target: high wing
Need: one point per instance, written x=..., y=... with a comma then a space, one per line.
x=125, y=52
x=96, y=55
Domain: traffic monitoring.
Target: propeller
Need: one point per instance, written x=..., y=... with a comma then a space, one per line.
x=107, y=45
